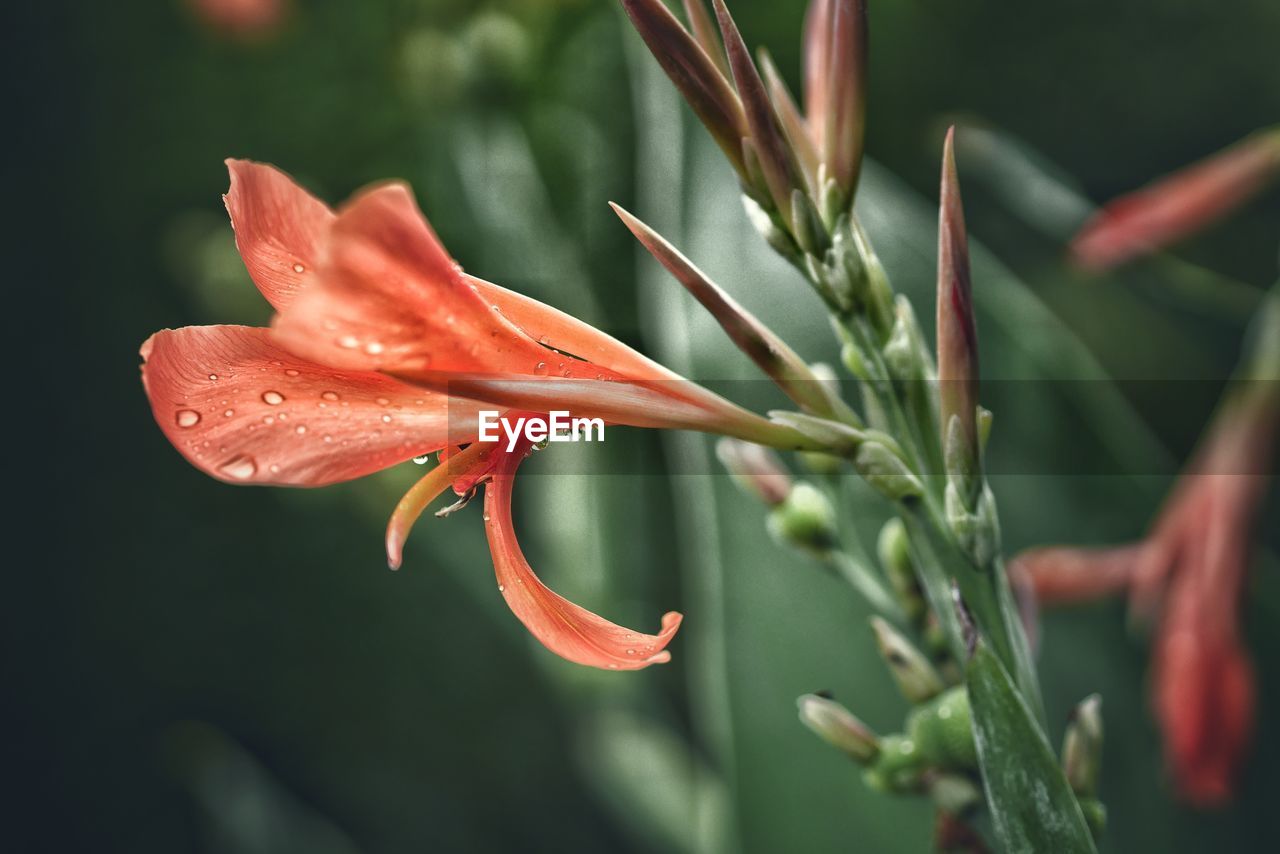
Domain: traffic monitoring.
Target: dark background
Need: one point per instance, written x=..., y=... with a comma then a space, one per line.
x=192, y=666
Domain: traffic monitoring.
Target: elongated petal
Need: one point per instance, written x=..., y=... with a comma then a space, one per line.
x=243, y=409
x=1061, y=575
x=554, y=329
x=566, y=629
x=693, y=73
x=1179, y=205
x=458, y=467
x=777, y=161
x=957, y=333
x=778, y=361
x=281, y=229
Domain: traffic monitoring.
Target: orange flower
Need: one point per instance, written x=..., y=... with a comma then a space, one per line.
x=383, y=350
x=1189, y=575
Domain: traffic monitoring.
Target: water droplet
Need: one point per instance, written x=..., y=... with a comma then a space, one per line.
x=292, y=372
x=373, y=348
x=631, y=652
x=613, y=667
x=187, y=418
x=329, y=395
x=275, y=468
x=272, y=398
x=300, y=429
x=502, y=588
x=239, y=467
x=544, y=340
x=386, y=419
x=485, y=517
x=450, y=320
x=382, y=401
x=328, y=438
x=540, y=369
x=213, y=377
x=298, y=268
x=268, y=419
x=422, y=460
x=228, y=413
x=348, y=342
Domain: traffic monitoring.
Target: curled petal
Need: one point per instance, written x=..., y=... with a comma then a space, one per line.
x=459, y=466
x=243, y=409
x=566, y=629
x=281, y=229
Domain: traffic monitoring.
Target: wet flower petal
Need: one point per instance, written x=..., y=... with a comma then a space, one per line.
x=281, y=229
x=566, y=629
x=243, y=409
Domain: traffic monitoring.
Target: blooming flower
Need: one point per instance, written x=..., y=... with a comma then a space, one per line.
x=383, y=350
x=1189, y=573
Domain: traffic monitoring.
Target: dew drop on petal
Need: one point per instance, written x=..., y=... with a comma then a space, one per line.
x=300, y=429
x=292, y=372
x=502, y=588
x=348, y=342
x=268, y=419
x=540, y=369
x=239, y=467
x=298, y=268
x=386, y=419
x=422, y=460
x=382, y=401
x=213, y=377
x=328, y=438
x=329, y=395
x=272, y=398
x=228, y=413
x=275, y=469
x=187, y=418
x=373, y=348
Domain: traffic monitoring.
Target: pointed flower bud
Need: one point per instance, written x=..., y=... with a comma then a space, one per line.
x=758, y=470
x=915, y=676
x=957, y=333
x=894, y=552
x=1082, y=746
x=842, y=140
x=694, y=73
x=837, y=438
x=777, y=161
x=1179, y=205
x=883, y=468
x=805, y=520
x=837, y=726
x=761, y=344
x=704, y=31
x=793, y=123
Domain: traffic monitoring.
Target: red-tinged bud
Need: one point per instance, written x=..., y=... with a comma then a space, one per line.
x=817, y=65
x=798, y=133
x=757, y=469
x=846, y=110
x=957, y=333
x=777, y=161
x=704, y=30
x=1178, y=205
x=694, y=73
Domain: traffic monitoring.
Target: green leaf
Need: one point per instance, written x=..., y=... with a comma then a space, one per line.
x=1032, y=806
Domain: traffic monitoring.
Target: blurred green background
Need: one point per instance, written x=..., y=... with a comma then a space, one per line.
x=195, y=667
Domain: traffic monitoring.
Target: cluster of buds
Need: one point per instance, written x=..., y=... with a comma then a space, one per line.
x=798, y=170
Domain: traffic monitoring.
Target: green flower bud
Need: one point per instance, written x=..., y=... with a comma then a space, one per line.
x=805, y=519
x=954, y=794
x=1082, y=746
x=809, y=231
x=916, y=678
x=943, y=731
x=837, y=726
x=893, y=549
x=898, y=767
x=1095, y=815
x=886, y=472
